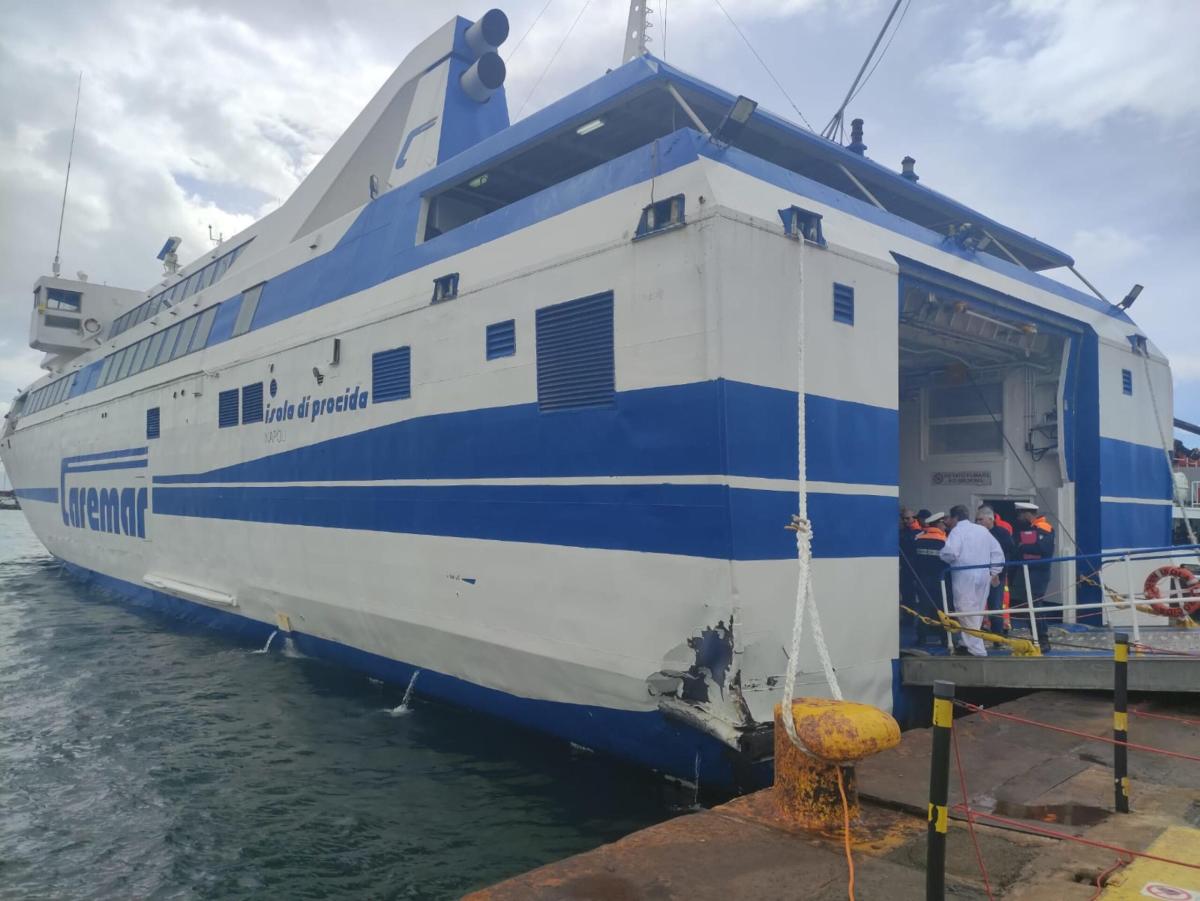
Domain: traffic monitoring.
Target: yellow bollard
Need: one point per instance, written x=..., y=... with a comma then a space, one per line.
x=839, y=734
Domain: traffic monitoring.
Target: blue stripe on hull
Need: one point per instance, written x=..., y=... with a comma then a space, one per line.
x=703, y=428
x=1135, y=525
x=49, y=495
x=646, y=738
x=690, y=520
x=1133, y=470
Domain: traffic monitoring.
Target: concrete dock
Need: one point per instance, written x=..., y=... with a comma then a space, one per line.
x=1037, y=780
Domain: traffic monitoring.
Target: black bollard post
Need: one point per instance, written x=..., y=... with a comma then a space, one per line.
x=1121, y=720
x=939, y=787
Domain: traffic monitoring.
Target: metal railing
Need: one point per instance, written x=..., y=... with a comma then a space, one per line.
x=1129, y=601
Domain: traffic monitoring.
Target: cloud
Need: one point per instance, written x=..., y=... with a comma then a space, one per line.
x=1073, y=64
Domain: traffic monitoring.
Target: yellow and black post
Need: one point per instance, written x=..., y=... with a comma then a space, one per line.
x=1121, y=720
x=939, y=787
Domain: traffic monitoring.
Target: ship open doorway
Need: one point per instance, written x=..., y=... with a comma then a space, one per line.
x=982, y=401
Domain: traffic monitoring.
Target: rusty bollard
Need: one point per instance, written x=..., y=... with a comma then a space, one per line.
x=839, y=734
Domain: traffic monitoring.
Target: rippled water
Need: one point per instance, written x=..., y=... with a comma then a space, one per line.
x=143, y=759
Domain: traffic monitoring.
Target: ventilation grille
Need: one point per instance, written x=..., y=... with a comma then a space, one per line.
x=227, y=408
x=575, y=354
x=843, y=304
x=391, y=374
x=152, y=421
x=1126, y=381
x=501, y=339
x=252, y=403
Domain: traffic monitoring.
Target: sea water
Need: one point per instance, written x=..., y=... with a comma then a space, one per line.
x=141, y=758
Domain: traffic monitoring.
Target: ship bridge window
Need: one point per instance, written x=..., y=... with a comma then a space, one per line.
x=632, y=122
x=60, y=299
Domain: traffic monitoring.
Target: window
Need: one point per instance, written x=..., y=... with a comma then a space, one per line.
x=156, y=341
x=104, y=369
x=445, y=288
x=139, y=356
x=245, y=316
x=501, y=339
x=126, y=363
x=965, y=419
x=843, y=304
x=227, y=408
x=391, y=374
x=61, y=299
x=1126, y=382
x=575, y=365
x=203, y=326
x=801, y=223
x=661, y=216
x=152, y=422
x=168, y=345
x=187, y=328
x=252, y=403
x=60, y=321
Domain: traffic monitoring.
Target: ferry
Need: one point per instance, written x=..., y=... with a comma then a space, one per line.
x=515, y=406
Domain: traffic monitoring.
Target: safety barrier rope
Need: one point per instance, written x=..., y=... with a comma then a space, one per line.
x=1164, y=716
x=962, y=783
x=984, y=712
x=1102, y=878
x=1026, y=826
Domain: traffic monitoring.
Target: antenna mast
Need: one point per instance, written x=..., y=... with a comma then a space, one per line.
x=635, y=31
x=55, y=267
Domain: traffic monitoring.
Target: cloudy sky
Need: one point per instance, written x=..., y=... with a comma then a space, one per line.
x=1073, y=120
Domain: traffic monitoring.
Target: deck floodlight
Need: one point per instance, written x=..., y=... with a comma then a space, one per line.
x=588, y=127
x=1130, y=298
x=735, y=119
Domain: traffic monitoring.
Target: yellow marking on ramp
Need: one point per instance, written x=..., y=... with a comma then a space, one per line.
x=1153, y=879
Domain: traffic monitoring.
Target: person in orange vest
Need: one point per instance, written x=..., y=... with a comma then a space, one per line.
x=1033, y=537
x=930, y=571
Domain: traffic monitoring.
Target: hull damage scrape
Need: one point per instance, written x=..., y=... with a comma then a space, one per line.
x=700, y=685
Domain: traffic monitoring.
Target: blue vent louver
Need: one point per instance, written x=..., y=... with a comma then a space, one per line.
x=252, y=403
x=391, y=374
x=501, y=339
x=227, y=408
x=152, y=422
x=1126, y=381
x=843, y=304
x=575, y=354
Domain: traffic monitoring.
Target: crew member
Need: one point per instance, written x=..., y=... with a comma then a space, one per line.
x=1034, y=539
x=978, y=562
x=927, y=549
x=987, y=518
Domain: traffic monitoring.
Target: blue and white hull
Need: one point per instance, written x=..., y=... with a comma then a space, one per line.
x=557, y=482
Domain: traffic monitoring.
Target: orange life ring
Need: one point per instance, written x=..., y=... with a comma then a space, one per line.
x=1187, y=580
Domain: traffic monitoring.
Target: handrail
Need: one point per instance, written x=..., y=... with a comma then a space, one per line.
x=1150, y=553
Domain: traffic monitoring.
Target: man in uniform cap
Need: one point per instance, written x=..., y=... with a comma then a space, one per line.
x=1033, y=537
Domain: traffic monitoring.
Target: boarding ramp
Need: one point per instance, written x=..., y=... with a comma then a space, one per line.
x=1150, y=594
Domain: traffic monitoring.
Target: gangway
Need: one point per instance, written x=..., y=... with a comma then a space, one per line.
x=1165, y=655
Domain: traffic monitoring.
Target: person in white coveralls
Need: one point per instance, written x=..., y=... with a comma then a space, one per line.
x=970, y=544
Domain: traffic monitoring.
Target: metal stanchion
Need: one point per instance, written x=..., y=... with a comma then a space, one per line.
x=939, y=787
x=1121, y=720
x=946, y=610
x=1033, y=628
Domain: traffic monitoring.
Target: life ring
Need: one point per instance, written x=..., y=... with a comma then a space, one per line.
x=1187, y=581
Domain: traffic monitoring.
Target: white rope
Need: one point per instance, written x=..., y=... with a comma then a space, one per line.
x=803, y=528
x=1167, y=449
